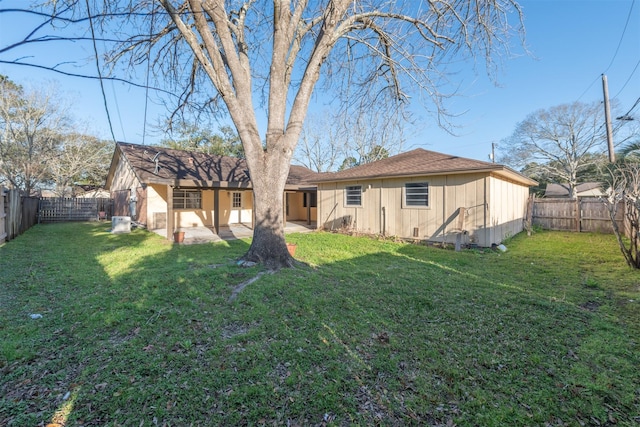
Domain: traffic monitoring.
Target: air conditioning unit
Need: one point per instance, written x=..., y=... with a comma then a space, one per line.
x=121, y=224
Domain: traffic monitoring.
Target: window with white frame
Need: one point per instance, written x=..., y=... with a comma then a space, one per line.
x=416, y=195
x=353, y=195
x=237, y=200
x=187, y=199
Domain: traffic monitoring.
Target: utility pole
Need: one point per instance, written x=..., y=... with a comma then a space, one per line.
x=493, y=151
x=607, y=119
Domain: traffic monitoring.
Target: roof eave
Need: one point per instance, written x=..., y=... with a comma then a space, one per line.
x=500, y=170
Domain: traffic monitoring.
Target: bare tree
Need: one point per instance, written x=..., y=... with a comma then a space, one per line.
x=80, y=159
x=558, y=143
x=372, y=132
x=320, y=147
x=31, y=122
x=235, y=53
x=624, y=193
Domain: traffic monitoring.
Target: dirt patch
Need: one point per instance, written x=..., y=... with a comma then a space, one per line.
x=590, y=306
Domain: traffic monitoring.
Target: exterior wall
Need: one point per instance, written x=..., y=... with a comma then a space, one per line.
x=124, y=184
x=123, y=177
x=507, y=208
x=382, y=210
x=296, y=209
x=156, y=207
x=231, y=215
x=185, y=218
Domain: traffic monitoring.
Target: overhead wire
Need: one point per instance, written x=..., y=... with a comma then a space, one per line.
x=613, y=58
x=624, y=30
x=95, y=51
x=628, y=80
x=146, y=91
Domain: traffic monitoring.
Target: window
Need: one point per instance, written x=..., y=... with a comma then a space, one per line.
x=187, y=199
x=312, y=197
x=237, y=200
x=416, y=194
x=353, y=195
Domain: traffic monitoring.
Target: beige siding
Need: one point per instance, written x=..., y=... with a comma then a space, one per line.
x=334, y=214
x=507, y=208
x=296, y=209
x=382, y=210
x=123, y=177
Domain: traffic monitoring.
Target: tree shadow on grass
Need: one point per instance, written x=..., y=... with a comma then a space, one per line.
x=391, y=334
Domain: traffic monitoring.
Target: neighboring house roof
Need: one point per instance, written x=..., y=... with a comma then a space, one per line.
x=585, y=189
x=160, y=165
x=420, y=162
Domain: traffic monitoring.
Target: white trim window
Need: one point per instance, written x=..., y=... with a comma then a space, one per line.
x=236, y=200
x=415, y=195
x=187, y=199
x=353, y=195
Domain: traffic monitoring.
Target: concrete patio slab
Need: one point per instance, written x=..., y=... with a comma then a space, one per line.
x=196, y=235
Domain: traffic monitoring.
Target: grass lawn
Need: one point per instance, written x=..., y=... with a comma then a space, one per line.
x=136, y=331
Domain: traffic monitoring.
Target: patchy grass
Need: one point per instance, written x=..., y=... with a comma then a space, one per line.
x=137, y=331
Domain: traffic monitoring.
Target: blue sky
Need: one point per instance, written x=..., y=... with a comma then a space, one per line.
x=572, y=42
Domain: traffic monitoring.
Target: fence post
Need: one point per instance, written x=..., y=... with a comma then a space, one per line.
x=578, y=228
x=3, y=216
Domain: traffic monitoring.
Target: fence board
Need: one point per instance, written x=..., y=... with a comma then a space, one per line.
x=63, y=209
x=3, y=216
x=583, y=214
x=14, y=214
x=29, y=213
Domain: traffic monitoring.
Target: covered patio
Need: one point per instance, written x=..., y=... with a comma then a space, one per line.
x=195, y=235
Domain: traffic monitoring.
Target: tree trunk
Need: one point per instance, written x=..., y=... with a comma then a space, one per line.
x=268, y=246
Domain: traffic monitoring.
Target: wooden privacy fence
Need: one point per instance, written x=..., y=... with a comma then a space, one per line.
x=588, y=214
x=3, y=217
x=63, y=209
x=17, y=213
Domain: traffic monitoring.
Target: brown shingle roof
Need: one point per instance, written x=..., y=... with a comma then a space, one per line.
x=195, y=168
x=419, y=162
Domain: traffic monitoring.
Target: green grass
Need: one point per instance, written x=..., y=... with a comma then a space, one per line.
x=137, y=331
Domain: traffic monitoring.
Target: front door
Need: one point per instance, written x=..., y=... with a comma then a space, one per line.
x=236, y=208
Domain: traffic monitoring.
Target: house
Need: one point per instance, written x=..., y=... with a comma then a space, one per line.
x=164, y=189
x=426, y=195
x=586, y=189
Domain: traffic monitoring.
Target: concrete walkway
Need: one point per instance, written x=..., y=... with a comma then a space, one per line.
x=195, y=235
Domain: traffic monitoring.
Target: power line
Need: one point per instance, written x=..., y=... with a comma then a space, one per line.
x=588, y=88
x=95, y=51
x=621, y=37
x=629, y=79
x=614, y=57
x=146, y=91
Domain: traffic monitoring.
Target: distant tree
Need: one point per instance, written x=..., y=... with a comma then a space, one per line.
x=320, y=147
x=631, y=151
x=372, y=133
x=560, y=143
x=189, y=136
x=79, y=160
x=377, y=153
x=31, y=125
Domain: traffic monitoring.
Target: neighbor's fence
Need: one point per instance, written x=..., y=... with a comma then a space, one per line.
x=64, y=209
x=3, y=217
x=588, y=214
x=17, y=213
